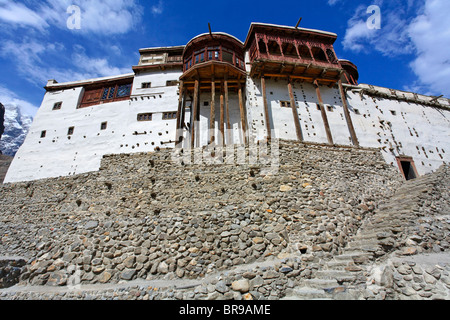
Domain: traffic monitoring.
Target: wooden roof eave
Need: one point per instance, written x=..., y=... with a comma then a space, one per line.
x=212, y=67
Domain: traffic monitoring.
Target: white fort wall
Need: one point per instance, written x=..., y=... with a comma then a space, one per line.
x=58, y=154
x=397, y=127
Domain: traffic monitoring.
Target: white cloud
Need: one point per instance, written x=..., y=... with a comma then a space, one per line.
x=7, y=97
x=34, y=62
x=158, y=9
x=333, y=2
x=391, y=40
x=98, y=17
x=430, y=33
x=18, y=14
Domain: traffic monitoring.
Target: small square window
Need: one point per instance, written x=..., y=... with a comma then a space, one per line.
x=394, y=113
x=43, y=134
x=206, y=103
x=169, y=115
x=171, y=83
x=357, y=111
x=104, y=125
x=330, y=108
x=70, y=131
x=285, y=104
x=146, y=85
x=57, y=106
x=144, y=117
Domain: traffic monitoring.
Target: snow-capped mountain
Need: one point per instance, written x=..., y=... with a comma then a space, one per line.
x=16, y=126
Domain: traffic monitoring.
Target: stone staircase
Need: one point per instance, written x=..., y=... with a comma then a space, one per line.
x=344, y=276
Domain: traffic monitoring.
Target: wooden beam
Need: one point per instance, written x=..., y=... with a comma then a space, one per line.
x=324, y=113
x=212, y=115
x=347, y=115
x=298, y=129
x=183, y=112
x=266, y=108
x=296, y=26
x=194, y=116
x=227, y=110
x=222, y=124
x=178, y=134
x=243, y=116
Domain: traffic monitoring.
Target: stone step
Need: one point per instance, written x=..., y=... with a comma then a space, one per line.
x=338, y=275
x=317, y=283
x=339, y=264
x=307, y=293
x=352, y=254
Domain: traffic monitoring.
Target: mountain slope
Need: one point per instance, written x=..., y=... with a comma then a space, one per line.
x=16, y=126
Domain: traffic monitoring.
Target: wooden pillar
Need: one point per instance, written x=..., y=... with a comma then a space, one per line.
x=212, y=115
x=222, y=123
x=266, y=108
x=347, y=115
x=183, y=110
x=194, y=115
x=179, y=131
x=243, y=115
x=324, y=113
x=227, y=111
x=298, y=128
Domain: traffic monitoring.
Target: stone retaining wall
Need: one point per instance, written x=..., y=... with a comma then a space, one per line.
x=142, y=217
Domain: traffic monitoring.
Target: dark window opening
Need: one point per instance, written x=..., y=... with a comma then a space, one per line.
x=171, y=83
x=262, y=46
x=289, y=50
x=274, y=48
x=70, y=131
x=304, y=52
x=43, y=134
x=318, y=54
x=57, y=106
x=285, y=104
x=104, y=125
x=227, y=56
x=146, y=85
x=407, y=168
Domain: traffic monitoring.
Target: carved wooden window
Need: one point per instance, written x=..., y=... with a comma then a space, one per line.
x=97, y=94
x=331, y=56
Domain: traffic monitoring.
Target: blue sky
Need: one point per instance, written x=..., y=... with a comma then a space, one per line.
x=410, y=51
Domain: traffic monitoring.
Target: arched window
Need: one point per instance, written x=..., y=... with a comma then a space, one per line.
x=318, y=54
x=304, y=52
x=289, y=50
x=331, y=56
x=262, y=46
x=274, y=48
